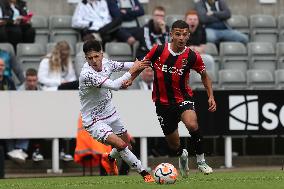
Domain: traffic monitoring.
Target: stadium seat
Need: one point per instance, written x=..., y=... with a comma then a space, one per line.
x=279, y=79
x=233, y=55
x=79, y=47
x=142, y=20
x=280, y=55
x=170, y=19
x=60, y=27
x=262, y=56
x=263, y=28
x=40, y=23
x=135, y=47
x=240, y=23
x=210, y=48
x=78, y=64
x=30, y=54
x=129, y=24
x=196, y=83
x=7, y=47
x=260, y=80
x=232, y=79
x=281, y=28
x=119, y=51
x=210, y=63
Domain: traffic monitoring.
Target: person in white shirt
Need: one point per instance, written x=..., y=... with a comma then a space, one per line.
x=56, y=68
x=99, y=115
x=93, y=16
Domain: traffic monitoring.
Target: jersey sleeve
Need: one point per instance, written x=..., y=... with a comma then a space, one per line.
x=150, y=55
x=93, y=79
x=116, y=66
x=199, y=65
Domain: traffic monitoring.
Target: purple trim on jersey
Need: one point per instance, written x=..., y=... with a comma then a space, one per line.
x=95, y=120
x=119, y=134
x=103, y=82
x=104, y=139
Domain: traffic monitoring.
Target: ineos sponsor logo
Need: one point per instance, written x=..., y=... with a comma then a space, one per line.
x=169, y=69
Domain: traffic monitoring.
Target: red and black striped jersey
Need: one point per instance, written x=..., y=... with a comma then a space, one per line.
x=171, y=73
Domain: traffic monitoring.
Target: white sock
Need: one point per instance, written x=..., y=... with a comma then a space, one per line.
x=131, y=160
x=200, y=158
x=114, y=154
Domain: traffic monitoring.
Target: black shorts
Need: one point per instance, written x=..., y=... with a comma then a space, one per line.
x=170, y=115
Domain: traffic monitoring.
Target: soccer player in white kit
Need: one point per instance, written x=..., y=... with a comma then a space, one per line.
x=99, y=115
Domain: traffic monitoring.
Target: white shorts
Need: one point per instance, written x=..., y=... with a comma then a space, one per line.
x=101, y=129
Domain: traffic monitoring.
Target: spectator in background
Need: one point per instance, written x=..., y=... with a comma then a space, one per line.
x=93, y=16
x=214, y=15
x=22, y=17
x=31, y=81
x=15, y=24
x=4, y=17
x=18, y=148
x=197, y=38
x=146, y=80
x=128, y=11
x=56, y=68
x=11, y=64
x=56, y=72
x=5, y=82
x=10, y=33
x=155, y=32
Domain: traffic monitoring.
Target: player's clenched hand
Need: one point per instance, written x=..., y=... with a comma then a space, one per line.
x=212, y=104
x=126, y=84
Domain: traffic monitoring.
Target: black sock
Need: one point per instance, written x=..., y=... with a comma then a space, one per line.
x=177, y=152
x=197, y=141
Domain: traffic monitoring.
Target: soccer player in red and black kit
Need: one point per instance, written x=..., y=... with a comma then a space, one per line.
x=173, y=97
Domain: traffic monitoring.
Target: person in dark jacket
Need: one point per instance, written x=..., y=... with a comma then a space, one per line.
x=214, y=15
x=15, y=24
x=154, y=32
x=28, y=32
x=197, y=39
x=128, y=11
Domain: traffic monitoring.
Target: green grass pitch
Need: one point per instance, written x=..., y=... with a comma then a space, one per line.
x=226, y=180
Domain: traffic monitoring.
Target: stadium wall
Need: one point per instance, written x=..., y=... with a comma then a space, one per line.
x=246, y=7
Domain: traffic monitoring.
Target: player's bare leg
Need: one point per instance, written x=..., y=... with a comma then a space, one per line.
x=114, y=155
x=128, y=156
x=189, y=118
x=174, y=144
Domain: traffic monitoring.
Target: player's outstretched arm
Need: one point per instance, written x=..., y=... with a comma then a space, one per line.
x=117, y=84
x=135, y=74
x=208, y=86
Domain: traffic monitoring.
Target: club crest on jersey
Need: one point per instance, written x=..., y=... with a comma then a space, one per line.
x=184, y=61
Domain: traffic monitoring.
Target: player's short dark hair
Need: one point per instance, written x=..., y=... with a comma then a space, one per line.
x=31, y=72
x=92, y=45
x=180, y=24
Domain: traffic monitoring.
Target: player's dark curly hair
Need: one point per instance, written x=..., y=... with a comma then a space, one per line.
x=180, y=24
x=92, y=45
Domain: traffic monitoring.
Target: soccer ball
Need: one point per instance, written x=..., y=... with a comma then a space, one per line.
x=165, y=173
